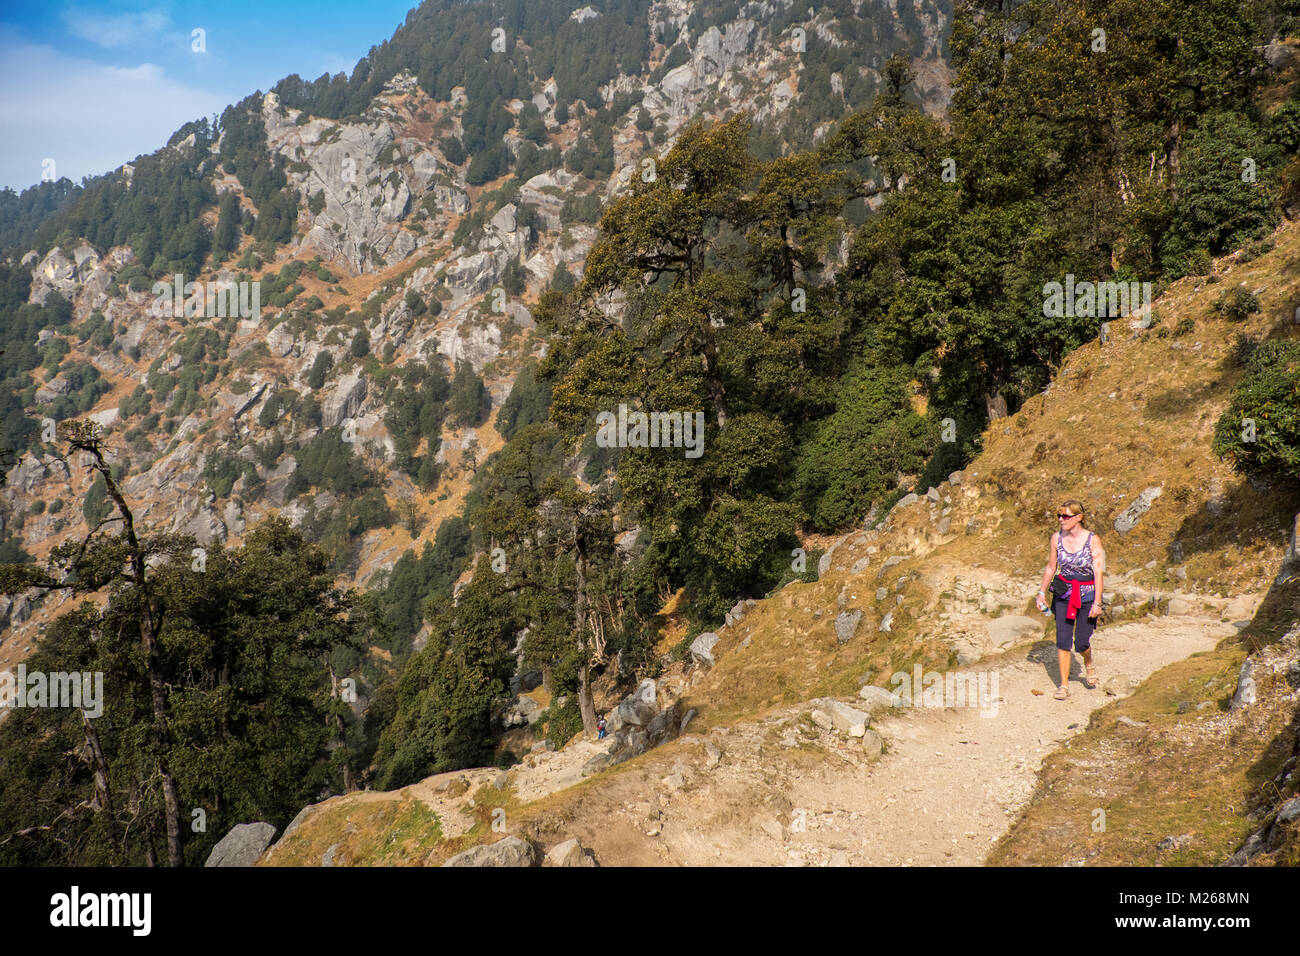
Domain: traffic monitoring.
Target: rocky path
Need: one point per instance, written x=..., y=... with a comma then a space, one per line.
x=784, y=791
x=953, y=779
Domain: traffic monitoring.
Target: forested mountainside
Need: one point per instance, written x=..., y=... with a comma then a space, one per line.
x=526, y=355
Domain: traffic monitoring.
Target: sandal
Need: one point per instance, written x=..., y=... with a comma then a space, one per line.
x=1091, y=682
x=1062, y=692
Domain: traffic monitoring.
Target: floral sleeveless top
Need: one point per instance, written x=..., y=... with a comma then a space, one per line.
x=1076, y=566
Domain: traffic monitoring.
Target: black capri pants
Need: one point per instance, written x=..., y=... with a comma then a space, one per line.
x=1079, y=631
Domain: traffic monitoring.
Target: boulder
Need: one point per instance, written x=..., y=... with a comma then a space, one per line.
x=343, y=401
x=1289, y=812
x=631, y=712
x=846, y=625
x=702, y=648
x=873, y=743
x=511, y=851
x=690, y=715
x=877, y=698
x=242, y=845
x=645, y=691
x=847, y=720
x=736, y=613
x=1118, y=685
x=569, y=853
x=1012, y=629
x=1130, y=516
x=1246, y=692
x=712, y=755
x=523, y=711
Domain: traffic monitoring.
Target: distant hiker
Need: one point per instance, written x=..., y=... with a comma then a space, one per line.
x=600, y=728
x=1075, y=565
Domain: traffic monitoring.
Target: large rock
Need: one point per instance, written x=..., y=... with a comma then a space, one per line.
x=242, y=845
x=511, y=851
x=846, y=625
x=1013, y=628
x=523, y=711
x=645, y=692
x=631, y=712
x=343, y=401
x=735, y=614
x=1246, y=691
x=662, y=726
x=702, y=648
x=1129, y=517
x=847, y=720
x=569, y=853
x=877, y=698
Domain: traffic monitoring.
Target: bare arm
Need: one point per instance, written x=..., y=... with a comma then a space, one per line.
x=1098, y=568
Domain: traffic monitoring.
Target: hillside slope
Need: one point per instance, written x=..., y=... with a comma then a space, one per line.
x=1195, y=587
x=397, y=239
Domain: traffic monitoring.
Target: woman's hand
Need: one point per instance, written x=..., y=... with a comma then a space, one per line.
x=1040, y=602
x=1096, y=608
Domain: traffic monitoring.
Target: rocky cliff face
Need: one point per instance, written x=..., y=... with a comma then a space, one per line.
x=395, y=227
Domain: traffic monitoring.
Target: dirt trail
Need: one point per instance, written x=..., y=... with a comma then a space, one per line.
x=783, y=791
x=953, y=779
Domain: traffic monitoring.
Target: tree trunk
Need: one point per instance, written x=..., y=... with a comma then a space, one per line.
x=996, y=404
x=103, y=798
x=586, y=705
x=87, y=442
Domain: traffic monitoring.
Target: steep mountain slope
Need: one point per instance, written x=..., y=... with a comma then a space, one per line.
x=1203, y=578
x=399, y=243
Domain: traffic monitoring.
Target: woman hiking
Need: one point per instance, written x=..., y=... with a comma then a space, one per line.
x=1075, y=564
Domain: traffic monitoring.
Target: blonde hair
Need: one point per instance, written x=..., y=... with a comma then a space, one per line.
x=1076, y=508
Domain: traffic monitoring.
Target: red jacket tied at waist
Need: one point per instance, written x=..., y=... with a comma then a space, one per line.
x=1072, y=609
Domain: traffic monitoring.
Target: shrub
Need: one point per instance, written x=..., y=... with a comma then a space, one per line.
x=1236, y=304
x=562, y=723
x=319, y=369
x=361, y=344
x=1268, y=397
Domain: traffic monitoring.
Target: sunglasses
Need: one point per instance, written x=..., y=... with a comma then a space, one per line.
x=1064, y=517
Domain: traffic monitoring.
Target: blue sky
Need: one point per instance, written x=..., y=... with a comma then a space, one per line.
x=93, y=85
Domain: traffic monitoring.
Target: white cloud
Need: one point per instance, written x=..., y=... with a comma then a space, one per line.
x=88, y=117
x=116, y=29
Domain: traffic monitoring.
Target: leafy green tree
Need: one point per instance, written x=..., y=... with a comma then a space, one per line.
x=226, y=237
x=442, y=718
x=319, y=369
x=1259, y=432
x=468, y=402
